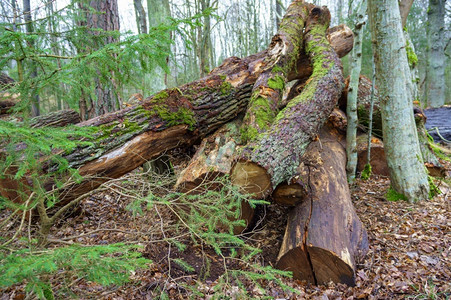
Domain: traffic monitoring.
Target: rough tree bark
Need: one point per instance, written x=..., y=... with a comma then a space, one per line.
x=407, y=173
x=172, y=118
x=270, y=85
x=274, y=156
x=106, y=18
x=324, y=237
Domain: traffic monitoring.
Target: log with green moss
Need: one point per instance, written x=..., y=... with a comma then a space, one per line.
x=275, y=154
x=285, y=51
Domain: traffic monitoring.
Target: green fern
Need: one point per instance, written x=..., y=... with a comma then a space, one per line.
x=105, y=265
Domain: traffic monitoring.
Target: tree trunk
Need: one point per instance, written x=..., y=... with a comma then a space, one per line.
x=435, y=73
x=407, y=173
x=324, y=238
x=293, y=191
x=106, y=18
x=141, y=22
x=274, y=156
x=351, y=109
x=35, y=111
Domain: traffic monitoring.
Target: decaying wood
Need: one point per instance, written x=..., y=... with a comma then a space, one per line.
x=270, y=85
x=324, y=237
x=56, y=119
x=291, y=192
x=378, y=162
x=274, y=156
x=172, y=118
x=213, y=159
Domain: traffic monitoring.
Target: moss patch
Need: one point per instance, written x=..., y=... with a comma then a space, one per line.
x=277, y=83
x=411, y=56
x=433, y=189
x=180, y=116
x=394, y=196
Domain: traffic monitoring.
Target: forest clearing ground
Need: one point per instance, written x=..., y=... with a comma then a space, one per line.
x=409, y=256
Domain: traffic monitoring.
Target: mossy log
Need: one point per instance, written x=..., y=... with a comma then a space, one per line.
x=275, y=154
x=169, y=119
x=268, y=90
x=324, y=238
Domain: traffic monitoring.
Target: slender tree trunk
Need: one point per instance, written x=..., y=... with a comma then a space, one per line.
x=141, y=21
x=35, y=111
x=351, y=109
x=435, y=74
x=407, y=173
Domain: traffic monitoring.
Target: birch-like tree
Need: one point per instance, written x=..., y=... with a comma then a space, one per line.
x=435, y=73
x=351, y=108
x=407, y=173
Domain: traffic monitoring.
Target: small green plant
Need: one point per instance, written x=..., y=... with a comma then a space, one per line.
x=366, y=173
x=106, y=265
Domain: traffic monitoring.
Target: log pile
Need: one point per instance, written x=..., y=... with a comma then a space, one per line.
x=324, y=237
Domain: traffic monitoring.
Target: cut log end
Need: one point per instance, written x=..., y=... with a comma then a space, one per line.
x=251, y=178
x=289, y=194
x=296, y=260
x=328, y=266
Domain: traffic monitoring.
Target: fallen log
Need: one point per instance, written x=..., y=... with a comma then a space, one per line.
x=291, y=192
x=169, y=119
x=270, y=85
x=212, y=159
x=274, y=156
x=59, y=118
x=324, y=238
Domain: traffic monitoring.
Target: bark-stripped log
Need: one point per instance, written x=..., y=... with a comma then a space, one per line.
x=270, y=85
x=274, y=156
x=213, y=159
x=324, y=237
x=290, y=193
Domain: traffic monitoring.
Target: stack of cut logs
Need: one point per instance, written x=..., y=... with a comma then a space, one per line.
x=276, y=143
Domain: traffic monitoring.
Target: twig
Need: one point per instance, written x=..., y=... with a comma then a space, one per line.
x=21, y=222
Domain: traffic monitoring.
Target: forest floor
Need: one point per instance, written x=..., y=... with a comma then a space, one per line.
x=409, y=255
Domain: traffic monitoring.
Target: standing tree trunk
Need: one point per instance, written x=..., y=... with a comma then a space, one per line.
x=351, y=109
x=101, y=22
x=35, y=111
x=141, y=22
x=435, y=73
x=407, y=173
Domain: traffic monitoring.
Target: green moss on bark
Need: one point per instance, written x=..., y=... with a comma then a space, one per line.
x=277, y=83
